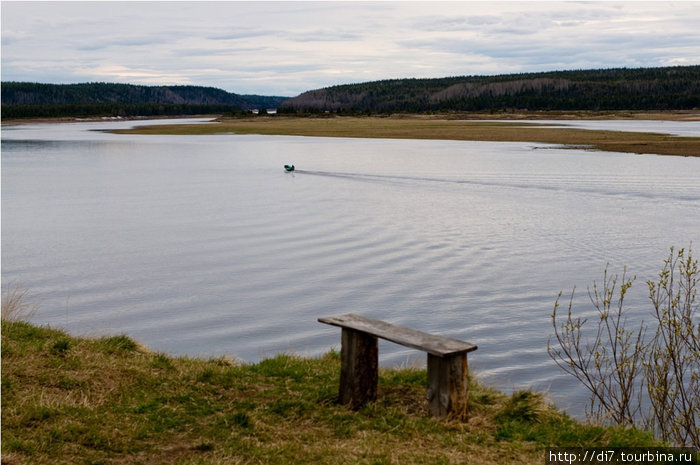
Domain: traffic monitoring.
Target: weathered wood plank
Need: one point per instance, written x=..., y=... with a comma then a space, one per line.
x=448, y=386
x=358, y=369
x=439, y=346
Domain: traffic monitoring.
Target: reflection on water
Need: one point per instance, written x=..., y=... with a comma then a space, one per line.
x=204, y=245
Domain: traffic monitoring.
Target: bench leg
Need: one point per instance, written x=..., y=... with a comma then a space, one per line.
x=358, y=371
x=447, y=386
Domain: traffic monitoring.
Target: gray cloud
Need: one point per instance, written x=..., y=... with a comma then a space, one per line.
x=241, y=34
x=285, y=48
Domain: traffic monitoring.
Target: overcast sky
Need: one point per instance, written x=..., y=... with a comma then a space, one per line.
x=285, y=48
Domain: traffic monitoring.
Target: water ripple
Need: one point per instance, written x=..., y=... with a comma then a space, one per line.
x=207, y=247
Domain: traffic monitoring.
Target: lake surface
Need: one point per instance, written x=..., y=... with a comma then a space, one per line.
x=205, y=246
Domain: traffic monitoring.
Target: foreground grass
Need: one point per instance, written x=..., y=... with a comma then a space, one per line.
x=439, y=128
x=110, y=401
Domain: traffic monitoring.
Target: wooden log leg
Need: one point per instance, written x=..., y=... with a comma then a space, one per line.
x=358, y=371
x=448, y=386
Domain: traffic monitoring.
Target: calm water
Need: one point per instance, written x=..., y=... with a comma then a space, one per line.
x=203, y=245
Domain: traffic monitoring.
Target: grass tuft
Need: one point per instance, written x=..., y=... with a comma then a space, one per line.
x=60, y=346
x=117, y=344
x=524, y=406
x=17, y=303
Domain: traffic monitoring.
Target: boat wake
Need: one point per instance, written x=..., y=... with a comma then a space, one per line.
x=597, y=185
x=378, y=177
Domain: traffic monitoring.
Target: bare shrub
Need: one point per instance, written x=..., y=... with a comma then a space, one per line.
x=609, y=363
x=672, y=370
x=635, y=380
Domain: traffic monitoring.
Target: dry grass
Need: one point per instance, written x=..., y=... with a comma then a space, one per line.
x=17, y=303
x=72, y=400
x=440, y=128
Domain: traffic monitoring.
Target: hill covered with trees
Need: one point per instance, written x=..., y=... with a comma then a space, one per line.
x=667, y=88
x=27, y=99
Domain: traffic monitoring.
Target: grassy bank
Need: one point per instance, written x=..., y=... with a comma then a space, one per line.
x=109, y=400
x=439, y=128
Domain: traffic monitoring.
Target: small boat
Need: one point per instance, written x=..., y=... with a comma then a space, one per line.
x=289, y=167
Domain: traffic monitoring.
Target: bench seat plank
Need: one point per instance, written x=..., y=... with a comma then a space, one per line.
x=436, y=345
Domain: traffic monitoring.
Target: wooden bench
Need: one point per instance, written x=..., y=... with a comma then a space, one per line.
x=447, y=363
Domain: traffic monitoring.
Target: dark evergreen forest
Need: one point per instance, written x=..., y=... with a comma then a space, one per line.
x=32, y=100
x=668, y=88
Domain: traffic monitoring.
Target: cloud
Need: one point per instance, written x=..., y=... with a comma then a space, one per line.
x=119, y=73
x=285, y=48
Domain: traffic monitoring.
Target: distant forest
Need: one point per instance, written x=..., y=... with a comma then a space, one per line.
x=668, y=88
x=32, y=100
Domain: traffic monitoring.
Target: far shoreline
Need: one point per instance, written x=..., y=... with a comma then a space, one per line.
x=487, y=127
x=93, y=119
x=653, y=115
x=455, y=126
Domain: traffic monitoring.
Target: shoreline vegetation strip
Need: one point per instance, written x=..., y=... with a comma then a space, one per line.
x=437, y=128
x=72, y=400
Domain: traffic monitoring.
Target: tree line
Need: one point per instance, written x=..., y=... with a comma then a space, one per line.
x=665, y=88
x=112, y=110
x=662, y=88
x=32, y=100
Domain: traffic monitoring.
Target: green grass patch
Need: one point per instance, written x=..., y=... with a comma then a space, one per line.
x=69, y=400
